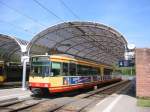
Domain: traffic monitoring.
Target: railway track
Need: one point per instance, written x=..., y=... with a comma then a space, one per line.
x=8, y=85
x=79, y=103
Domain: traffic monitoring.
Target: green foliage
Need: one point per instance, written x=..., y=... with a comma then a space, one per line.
x=143, y=102
x=126, y=70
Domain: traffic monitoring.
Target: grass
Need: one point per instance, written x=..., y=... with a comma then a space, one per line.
x=143, y=102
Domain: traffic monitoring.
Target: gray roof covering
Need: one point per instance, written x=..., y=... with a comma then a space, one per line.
x=10, y=48
x=89, y=40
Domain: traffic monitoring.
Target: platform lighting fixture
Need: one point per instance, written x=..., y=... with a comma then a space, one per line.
x=131, y=46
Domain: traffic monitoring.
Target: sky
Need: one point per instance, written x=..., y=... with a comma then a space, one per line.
x=25, y=18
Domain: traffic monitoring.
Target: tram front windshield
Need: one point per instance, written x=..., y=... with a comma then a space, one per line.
x=40, y=66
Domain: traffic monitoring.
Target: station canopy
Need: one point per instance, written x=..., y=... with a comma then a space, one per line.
x=11, y=48
x=87, y=40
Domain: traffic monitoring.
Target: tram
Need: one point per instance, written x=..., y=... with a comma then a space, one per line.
x=11, y=72
x=61, y=73
x=2, y=74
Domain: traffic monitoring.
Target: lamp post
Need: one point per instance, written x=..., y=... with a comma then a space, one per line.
x=24, y=60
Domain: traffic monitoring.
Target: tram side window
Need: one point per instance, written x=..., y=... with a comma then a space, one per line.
x=79, y=70
x=107, y=71
x=65, y=69
x=56, y=68
x=90, y=71
x=72, y=69
x=95, y=71
x=83, y=70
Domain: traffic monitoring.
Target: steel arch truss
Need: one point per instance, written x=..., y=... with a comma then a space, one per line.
x=10, y=48
x=89, y=40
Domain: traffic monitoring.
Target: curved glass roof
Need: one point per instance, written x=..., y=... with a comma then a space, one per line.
x=10, y=48
x=88, y=40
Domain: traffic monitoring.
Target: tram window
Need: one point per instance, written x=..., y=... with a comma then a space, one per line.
x=65, y=69
x=45, y=70
x=35, y=69
x=79, y=70
x=107, y=71
x=90, y=71
x=1, y=70
x=83, y=70
x=40, y=70
x=72, y=69
x=56, y=67
x=94, y=71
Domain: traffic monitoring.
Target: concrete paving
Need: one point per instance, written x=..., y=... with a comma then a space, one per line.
x=119, y=103
x=14, y=93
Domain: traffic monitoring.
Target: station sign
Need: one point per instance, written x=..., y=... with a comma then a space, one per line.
x=126, y=63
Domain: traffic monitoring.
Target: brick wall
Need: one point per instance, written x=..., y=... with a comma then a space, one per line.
x=143, y=72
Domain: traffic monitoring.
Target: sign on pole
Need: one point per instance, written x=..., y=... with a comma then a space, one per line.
x=126, y=63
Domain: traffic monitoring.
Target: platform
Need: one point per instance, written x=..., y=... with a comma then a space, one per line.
x=119, y=103
x=125, y=102
x=14, y=93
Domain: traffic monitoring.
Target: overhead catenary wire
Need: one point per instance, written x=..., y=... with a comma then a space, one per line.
x=54, y=14
x=18, y=27
x=48, y=10
x=69, y=9
x=23, y=14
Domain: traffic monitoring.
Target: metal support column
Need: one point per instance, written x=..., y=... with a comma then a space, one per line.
x=24, y=75
x=24, y=60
